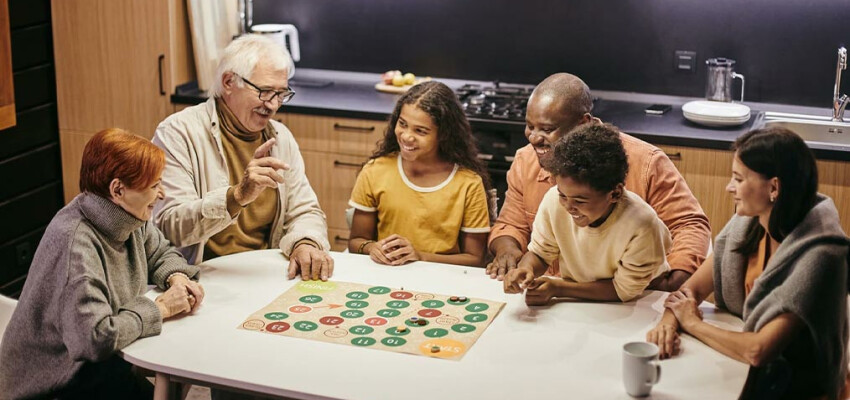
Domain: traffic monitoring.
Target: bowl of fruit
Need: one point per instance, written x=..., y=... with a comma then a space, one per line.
x=396, y=82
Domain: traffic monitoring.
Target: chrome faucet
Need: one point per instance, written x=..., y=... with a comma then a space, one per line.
x=839, y=101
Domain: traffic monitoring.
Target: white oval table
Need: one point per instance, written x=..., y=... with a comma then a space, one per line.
x=569, y=350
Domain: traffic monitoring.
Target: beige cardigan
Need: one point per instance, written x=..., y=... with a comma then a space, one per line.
x=196, y=180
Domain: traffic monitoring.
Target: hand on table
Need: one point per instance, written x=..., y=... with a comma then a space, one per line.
x=183, y=296
x=684, y=306
x=394, y=250
x=666, y=337
x=503, y=263
x=518, y=280
x=260, y=174
x=311, y=262
x=539, y=291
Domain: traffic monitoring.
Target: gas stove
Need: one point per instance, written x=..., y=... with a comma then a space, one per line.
x=496, y=102
x=496, y=113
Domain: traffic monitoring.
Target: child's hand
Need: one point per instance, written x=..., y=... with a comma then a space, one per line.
x=377, y=254
x=518, y=279
x=398, y=250
x=539, y=292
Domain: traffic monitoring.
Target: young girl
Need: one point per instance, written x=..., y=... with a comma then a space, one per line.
x=423, y=193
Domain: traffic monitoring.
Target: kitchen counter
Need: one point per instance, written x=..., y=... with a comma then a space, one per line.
x=352, y=95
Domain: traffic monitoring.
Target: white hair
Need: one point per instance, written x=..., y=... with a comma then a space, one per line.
x=242, y=55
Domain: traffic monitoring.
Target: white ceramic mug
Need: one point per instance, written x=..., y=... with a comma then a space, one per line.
x=641, y=369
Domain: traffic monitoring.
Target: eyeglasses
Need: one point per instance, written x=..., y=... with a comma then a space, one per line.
x=268, y=94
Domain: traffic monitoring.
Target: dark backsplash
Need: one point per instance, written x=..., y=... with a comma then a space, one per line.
x=785, y=48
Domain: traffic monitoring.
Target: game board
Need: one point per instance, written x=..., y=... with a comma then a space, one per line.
x=377, y=317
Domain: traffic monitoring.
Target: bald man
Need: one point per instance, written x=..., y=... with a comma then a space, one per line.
x=558, y=104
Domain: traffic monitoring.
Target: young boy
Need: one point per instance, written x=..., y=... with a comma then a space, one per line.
x=609, y=243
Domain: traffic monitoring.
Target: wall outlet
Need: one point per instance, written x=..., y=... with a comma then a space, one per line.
x=685, y=61
x=23, y=254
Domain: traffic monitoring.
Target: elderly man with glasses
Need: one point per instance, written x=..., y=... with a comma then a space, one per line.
x=234, y=179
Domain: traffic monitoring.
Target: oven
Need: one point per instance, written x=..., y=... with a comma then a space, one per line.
x=497, y=115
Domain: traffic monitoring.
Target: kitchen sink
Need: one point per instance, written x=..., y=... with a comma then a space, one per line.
x=812, y=128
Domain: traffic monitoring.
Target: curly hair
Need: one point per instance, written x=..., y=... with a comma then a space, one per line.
x=591, y=154
x=455, y=143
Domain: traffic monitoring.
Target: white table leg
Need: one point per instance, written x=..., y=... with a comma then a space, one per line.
x=161, y=386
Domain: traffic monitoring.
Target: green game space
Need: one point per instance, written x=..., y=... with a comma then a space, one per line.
x=477, y=307
x=363, y=341
x=475, y=317
x=463, y=328
x=393, y=341
x=357, y=295
x=380, y=290
x=432, y=304
x=436, y=332
x=351, y=314
x=392, y=331
x=388, y=313
x=361, y=330
x=276, y=316
x=416, y=325
x=398, y=304
x=356, y=304
x=310, y=299
x=305, y=326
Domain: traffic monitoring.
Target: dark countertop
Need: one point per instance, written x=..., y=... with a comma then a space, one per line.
x=352, y=95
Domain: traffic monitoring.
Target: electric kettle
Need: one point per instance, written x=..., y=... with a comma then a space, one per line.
x=718, y=86
x=284, y=34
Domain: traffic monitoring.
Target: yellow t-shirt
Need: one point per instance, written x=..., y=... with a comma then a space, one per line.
x=430, y=217
x=630, y=246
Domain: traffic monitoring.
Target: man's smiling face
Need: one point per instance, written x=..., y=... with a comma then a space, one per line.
x=546, y=120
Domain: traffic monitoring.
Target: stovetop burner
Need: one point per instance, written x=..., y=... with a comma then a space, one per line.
x=497, y=102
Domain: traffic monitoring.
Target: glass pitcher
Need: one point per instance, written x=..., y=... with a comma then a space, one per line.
x=718, y=86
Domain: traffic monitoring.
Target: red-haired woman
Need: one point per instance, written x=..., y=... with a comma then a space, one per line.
x=84, y=295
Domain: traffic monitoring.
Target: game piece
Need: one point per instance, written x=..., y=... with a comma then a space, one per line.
x=453, y=298
x=376, y=317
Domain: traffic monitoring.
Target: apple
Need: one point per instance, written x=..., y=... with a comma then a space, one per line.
x=409, y=78
x=398, y=80
x=387, y=77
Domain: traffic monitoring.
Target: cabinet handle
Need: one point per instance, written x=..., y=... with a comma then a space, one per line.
x=161, y=89
x=338, y=163
x=339, y=238
x=677, y=156
x=364, y=129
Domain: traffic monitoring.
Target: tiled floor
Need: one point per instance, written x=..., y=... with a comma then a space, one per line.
x=195, y=393
x=198, y=393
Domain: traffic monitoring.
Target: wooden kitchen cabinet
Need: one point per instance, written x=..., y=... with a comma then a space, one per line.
x=707, y=172
x=334, y=151
x=7, y=90
x=117, y=62
x=834, y=181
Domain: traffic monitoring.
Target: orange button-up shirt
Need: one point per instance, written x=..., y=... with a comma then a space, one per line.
x=652, y=176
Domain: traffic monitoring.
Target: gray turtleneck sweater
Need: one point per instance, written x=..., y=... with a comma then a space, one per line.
x=84, y=295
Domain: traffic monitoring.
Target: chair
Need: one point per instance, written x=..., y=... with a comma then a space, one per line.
x=7, y=307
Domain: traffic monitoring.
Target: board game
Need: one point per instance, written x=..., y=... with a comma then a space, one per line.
x=377, y=317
